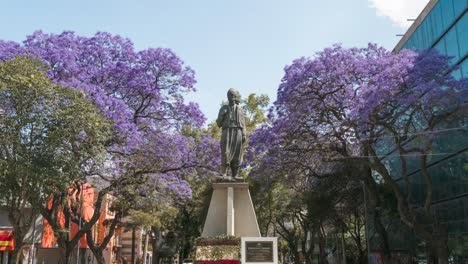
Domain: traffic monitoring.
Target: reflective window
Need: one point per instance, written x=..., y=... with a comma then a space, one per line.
x=447, y=12
x=440, y=46
x=457, y=74
x=462, y=30
x=459, y=6
x=451, y=177
x=449, y=174
x=464, y=68
x=441, y=17
x=436, y=20
x=451, y=41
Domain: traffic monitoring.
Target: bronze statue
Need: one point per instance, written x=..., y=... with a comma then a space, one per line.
x=231, y=119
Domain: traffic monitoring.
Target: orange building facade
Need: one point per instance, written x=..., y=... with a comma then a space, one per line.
x=87, y=200
x=44, y=249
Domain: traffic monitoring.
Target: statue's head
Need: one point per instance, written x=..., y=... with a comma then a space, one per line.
x=233, y=96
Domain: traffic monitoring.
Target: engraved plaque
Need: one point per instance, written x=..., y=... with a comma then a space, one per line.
x=259, y=251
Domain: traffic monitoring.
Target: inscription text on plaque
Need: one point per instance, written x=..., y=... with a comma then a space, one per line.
x=259, y=250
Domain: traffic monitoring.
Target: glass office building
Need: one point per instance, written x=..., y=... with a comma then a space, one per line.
x=442, y=25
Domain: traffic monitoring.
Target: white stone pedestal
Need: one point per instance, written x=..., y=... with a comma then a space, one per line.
x=231, y=212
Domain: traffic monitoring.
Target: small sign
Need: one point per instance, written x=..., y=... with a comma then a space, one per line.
x=261, y=250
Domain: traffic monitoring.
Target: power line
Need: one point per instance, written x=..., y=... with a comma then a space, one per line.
x=404, y=155
x=419, y=133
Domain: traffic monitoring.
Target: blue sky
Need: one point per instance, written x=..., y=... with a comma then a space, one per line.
x=243, y=44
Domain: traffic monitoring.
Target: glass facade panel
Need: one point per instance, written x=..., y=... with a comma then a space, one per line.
x=441, y=18
x=464, y=68
x=449, y=179
x=459, y=6
x=418, y=189
x=452, y=176
x=450, y=140
x=417, y=39
x=457, y=74
x=436, y=18
x=446, y=29
x=447, y=11
x=440, y=46
x=451, y=40
x=462, y=30
x=426, y=33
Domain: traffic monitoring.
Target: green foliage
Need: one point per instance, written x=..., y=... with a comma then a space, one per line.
x=157, y=217
x=154, y=209
x=254, y=108
x=51, y=137
x=270, y=200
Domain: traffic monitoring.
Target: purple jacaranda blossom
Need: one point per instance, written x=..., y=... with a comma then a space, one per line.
x=333, y=102
x=141, y=92
x=170, y=182
x=10, y=49
x=346, y=111
x=136, y=90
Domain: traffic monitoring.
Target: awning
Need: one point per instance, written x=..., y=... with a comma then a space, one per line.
x=7, y=242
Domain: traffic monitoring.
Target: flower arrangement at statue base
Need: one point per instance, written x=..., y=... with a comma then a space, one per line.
x=221, y=261
x=218, y=250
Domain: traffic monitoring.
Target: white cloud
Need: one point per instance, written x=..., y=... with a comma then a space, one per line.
x=399, y=10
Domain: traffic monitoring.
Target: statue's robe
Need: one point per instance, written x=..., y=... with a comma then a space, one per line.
x=231, y=119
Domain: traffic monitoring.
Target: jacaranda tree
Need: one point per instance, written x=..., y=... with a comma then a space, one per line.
x=140, y=92
x=354, y=106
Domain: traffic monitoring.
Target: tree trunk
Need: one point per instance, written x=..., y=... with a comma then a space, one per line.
x=297, y=257
x=15, y=256
x=343, y=249
x=373, y=203
x=361, y=258
x=133, y=244
x=322, y=245
x=21, y=224
x=180, y=255
x=65, y=253
x=155, y=247
x=430, y=253
x=65, y=256
x=20, y=257
x=308, y=257
x=96, y=249
x=156, y=256
x=441, y=251
x=294, y=250
x=384, y=245
x=82, y=256
x=99, y=257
